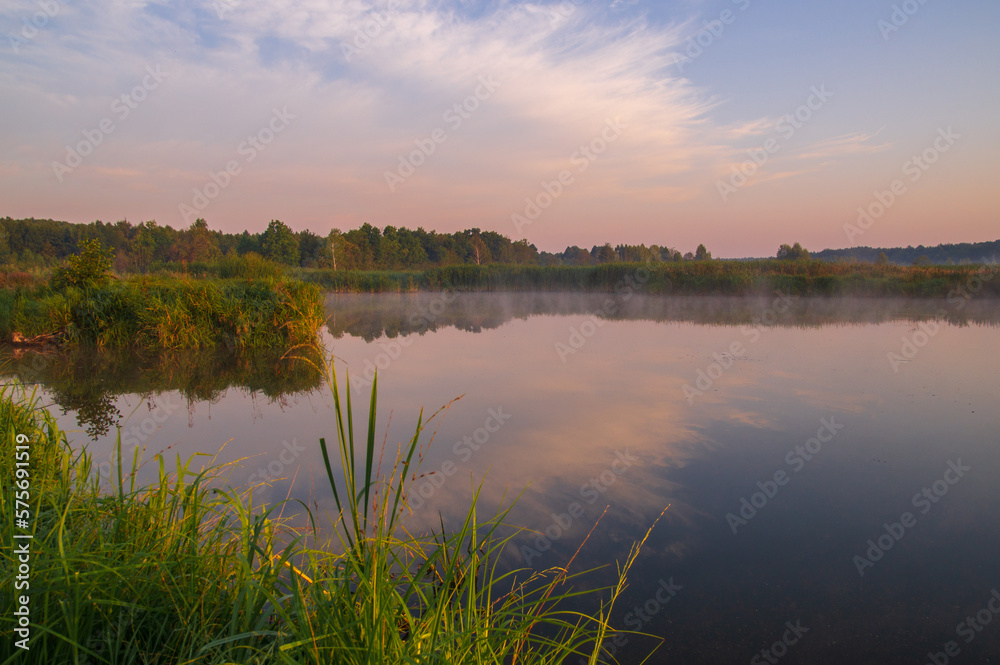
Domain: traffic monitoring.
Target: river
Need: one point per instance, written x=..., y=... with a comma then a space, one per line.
x=831, y=467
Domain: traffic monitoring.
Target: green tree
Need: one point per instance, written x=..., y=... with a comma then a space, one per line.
x=702, y=254
x=480, y=253
x=499, y=246
x=412, y=252
x=792, y=252
x=91, y=267
x=635, y=253
x=197, y=243
x=523, y=252
x=4, y=245
x=279, y=244
x=577, y=256
x=605, y=254
x=246, y=243
x=314, y=251
x=336, y=241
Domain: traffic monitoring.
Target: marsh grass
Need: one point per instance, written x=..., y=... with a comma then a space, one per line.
x=250, y=266
x=719, y=277
x=187, y=569
x=168, y=313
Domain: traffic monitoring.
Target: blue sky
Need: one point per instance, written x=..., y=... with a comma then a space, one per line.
x=241, y=111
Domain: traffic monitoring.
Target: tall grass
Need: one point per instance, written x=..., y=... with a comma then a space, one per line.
x=250, y=266
x=168, y=313
x=727, y=277
x=130, y=575
x=189, y=570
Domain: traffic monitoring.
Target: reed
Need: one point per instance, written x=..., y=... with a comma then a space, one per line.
x=726, y=277
x=168, y=313
x=187, y=569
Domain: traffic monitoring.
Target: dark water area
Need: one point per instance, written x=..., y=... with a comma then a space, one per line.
x=831, y=466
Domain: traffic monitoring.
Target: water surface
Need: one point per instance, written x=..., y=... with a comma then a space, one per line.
x=823, y=421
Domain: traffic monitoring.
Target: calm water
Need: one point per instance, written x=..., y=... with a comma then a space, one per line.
x=829, y=503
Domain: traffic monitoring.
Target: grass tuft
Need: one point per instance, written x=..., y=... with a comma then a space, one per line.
x=188, y=569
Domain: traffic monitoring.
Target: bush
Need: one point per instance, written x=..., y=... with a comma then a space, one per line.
x=91, y=267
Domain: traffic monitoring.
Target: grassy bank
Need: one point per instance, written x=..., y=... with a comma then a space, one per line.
x=189, y=570
x=801, y=278
x=166, y=313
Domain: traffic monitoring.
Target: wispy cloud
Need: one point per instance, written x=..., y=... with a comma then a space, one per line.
x=857, y=143
x=563, y=70
x=789, y=162
x=368, y=79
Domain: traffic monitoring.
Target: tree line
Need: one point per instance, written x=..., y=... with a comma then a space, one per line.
x=945, y=254
x=147, y=245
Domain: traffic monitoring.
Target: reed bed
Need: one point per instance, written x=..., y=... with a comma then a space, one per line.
x=726, y=277
x=167, y=313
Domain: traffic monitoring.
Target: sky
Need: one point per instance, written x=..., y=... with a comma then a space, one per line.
x=740, y=124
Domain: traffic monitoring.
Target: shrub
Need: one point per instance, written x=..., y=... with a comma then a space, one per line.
x=91, y=267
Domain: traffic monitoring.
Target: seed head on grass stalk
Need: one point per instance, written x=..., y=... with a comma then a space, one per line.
x=395, y=597
x=183, y=571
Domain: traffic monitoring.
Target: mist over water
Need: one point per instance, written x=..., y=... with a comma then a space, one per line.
x=791, y=438
x=371, y=316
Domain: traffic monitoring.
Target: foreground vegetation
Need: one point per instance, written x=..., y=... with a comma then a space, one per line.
x=799, y=278
x=190, y=570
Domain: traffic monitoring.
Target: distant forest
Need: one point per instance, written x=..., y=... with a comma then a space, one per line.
x=148, y=246
x=966, y=252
